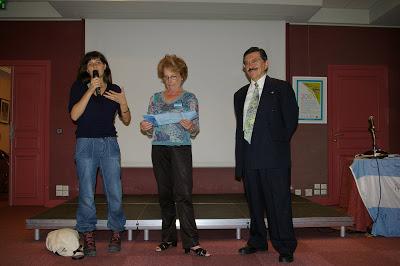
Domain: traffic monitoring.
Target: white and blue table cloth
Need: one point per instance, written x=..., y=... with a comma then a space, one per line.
x=378, y=182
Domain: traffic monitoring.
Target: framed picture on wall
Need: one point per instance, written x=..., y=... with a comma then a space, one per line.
x=4, y=111
x=311, y=95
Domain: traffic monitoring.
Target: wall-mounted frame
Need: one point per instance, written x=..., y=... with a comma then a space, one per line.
x=311, y=94
x=4, y=111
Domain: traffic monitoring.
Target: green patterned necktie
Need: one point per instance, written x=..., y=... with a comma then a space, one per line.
x=251, y=114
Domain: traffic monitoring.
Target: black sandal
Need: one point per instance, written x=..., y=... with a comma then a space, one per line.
x=198, y=251
x=165, y=245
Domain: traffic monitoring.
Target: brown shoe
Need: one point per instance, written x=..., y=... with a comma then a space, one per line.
x=89, y=244
x=115, y=242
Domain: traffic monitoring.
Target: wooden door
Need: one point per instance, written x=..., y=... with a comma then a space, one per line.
x=30, y=132
x=354, y=94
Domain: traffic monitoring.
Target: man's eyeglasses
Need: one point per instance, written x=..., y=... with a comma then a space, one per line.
x=252, y=62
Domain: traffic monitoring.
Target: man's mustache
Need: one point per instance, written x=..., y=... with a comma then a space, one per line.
x=251, y=69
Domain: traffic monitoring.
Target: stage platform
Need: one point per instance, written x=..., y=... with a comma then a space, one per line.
x=216, y=211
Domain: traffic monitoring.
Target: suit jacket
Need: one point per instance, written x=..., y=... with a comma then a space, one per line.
x=276, y=121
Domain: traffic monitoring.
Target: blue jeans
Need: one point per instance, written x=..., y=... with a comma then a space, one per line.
x=90, y=154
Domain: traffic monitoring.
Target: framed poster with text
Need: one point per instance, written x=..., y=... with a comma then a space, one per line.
x=311, y=96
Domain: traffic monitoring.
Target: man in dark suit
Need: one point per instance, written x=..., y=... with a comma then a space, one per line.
x=266, y=118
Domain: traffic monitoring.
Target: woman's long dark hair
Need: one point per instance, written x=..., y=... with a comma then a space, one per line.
x=84, y=76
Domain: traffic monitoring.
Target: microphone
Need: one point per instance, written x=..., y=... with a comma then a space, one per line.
x=96, y=75
x=375, y=152
x=371, y=122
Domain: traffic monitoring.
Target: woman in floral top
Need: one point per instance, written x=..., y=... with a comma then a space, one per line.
x=172, y=156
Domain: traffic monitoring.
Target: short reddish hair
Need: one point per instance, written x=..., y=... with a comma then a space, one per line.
x=175, y=63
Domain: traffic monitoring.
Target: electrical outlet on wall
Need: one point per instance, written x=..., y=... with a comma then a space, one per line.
x=65, y=191
x=308, y=192
x=324, y=192
x=62, y=190
x=324, y=186
x=297, y=192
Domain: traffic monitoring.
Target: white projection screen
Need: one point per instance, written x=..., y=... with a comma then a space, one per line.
x=213, y=51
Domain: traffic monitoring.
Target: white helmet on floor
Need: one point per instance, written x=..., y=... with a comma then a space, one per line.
x=64, y=242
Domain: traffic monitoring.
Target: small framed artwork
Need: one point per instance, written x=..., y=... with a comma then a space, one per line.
x=311, y=95
x=4, y=111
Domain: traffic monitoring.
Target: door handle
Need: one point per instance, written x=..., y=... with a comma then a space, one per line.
x=336, y=135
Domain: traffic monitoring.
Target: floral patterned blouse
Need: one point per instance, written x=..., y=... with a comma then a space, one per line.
x=173, y=134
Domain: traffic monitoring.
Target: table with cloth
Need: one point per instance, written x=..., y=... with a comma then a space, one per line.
x=378, y=182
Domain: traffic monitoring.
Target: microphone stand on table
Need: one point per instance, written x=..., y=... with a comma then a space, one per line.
x=375, y=152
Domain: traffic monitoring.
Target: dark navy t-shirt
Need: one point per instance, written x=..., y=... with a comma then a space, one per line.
x=97, y=121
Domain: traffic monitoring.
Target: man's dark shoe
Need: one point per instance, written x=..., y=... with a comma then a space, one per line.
x=250, y=250
x=89, y=244
x=115, y=242
x=286, y=258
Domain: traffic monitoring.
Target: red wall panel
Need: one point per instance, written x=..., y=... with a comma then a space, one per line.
x=310, y=50
x=61, y=42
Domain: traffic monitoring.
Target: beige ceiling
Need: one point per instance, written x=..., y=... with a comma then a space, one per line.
x=358, y=12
